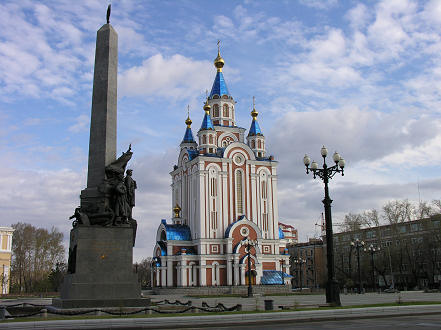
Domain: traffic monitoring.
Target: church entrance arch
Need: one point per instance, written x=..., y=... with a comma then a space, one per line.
x=253, y=277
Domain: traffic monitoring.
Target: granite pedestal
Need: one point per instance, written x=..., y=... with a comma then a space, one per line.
x=101, y=269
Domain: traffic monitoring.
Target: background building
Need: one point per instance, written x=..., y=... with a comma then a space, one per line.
x=5, y=257
x=409, y=255
x=313, y=269
x=289, y=233
x=224, y=190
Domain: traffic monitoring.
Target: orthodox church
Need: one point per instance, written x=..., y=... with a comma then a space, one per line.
x=224, y=195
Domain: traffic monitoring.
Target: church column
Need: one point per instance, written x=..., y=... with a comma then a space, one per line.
x=242, y=274
x=253, y=196
x=274, y=201
x=229, y=271
x=203, y=273
x=183, y=273
x=236, y=273
x=202, y=192
x=163, y=276
x=247, y=198
x=271, y=225
x=170, y=273
x=224, y=176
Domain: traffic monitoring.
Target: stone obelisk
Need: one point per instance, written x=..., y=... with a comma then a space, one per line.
x=102, y=144
x=100, y=266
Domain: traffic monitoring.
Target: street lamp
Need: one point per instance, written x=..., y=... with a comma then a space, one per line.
x=249, y=243
x=358, y=245
x=372, y=250
x=326, y=173
x=282, y=262
x=299, y=262
x=154, y=270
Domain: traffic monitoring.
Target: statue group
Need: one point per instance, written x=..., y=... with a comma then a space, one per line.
x=118, y=191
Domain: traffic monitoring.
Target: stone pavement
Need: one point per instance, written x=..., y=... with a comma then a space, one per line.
x=210, y=320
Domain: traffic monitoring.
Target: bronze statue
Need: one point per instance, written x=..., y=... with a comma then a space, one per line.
x=130, y=186
x=108, y=13
x=121, y=206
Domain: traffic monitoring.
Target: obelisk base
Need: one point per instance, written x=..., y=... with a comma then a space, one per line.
x=101, y=270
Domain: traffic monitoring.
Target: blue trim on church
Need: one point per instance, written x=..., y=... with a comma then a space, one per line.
x=273, y=277
x=163, y=247
x=254, y=129
x=219, y=86
x=207, y=123
x=188, y=137
x=177, y=232
x=281, y=234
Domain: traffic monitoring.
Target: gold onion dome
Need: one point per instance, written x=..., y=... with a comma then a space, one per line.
x=219, y=62
x=177, y=210
x=188, y=122
x=207, y=107
x=254, y=113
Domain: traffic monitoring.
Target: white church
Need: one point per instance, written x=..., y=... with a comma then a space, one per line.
x=224, y=192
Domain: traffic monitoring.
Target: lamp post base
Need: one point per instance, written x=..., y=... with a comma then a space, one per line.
x=250, y=292
x=333, y=293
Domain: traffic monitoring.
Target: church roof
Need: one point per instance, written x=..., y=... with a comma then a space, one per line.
x=273, y=277
x=163, y=248
x=219, y=86
x=254, y=129
x=177, y=232
x=207, y=123
x=227, y=231
x=188, y=136
x=192, y=154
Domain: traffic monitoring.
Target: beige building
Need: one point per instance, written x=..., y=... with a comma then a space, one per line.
x=5, y=257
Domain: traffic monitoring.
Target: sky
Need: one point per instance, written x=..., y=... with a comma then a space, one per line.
x=362, y=78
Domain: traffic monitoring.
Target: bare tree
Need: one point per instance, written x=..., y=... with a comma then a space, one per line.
x=398, y=211
x=35, y=252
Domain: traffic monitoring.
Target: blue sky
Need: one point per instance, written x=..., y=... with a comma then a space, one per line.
x=362, y=78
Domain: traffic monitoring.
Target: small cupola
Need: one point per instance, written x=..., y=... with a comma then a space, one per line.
x=207, y=134
x=255, y=138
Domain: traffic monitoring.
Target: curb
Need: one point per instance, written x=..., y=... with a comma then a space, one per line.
x=230, y=319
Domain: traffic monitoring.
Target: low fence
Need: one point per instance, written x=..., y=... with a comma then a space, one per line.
x=29, y=310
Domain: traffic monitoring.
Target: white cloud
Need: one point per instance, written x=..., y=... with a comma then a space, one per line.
x=81, y=124
x=319, y=4
x=176, y=77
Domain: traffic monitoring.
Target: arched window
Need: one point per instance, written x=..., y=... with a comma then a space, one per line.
x=213, y=196
x=239, y=192
x=226, y=112
x=211, y=139
x=264, y=202
x=215, y=110
x=259, y=144
x=204, y=139
x=253, y=144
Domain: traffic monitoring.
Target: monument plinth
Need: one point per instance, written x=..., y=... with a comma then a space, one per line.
x=100, y=265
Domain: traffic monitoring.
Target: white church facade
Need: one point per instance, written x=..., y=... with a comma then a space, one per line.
x=224, y=191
